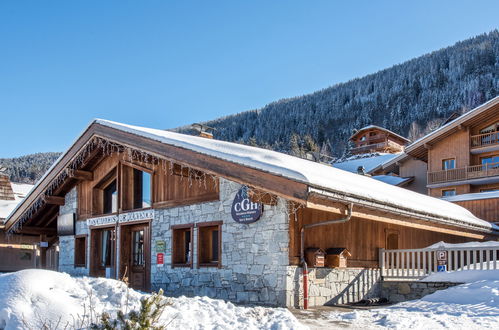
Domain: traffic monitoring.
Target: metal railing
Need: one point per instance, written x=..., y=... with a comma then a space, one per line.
x=419, y=263
x=464, y=173
x=484, y=140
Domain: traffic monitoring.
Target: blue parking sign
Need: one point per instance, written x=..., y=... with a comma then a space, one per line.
x=441, y=268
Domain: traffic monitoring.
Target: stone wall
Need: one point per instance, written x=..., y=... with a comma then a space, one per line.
x=398, y=291
x=254, y=256
x=332, y=286
x=66, y=243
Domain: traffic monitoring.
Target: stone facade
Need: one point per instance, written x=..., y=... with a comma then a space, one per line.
x=254, y=256
x=398, y=291
x=332, y=286
x=66, y=243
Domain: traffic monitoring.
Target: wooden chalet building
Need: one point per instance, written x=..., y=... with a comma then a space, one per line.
x=459, y=161
x=373, y=138
x=198, y=216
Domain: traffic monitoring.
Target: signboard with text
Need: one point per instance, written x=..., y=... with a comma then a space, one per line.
x=243, y=209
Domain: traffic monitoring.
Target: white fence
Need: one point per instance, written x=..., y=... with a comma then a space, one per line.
x=418, y=263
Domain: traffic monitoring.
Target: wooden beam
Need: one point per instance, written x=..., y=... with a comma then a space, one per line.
x=54, y=200
x=38, y=230
x=83, y=175
x=427, y=146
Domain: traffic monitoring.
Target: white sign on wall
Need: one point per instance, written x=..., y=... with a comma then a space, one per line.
x=122, y=218
x=101, y=221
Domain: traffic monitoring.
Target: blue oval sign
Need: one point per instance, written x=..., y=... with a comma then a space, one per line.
x=243, y=209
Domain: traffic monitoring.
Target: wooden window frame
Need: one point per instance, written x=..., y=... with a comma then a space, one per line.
x=85, y=239
x=189, y=226
x=200, y=226
x=446, y=159
x=140, y=168
x=453, y=189
x=106, y=180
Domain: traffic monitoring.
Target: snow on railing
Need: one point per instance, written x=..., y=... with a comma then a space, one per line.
x=419, y=263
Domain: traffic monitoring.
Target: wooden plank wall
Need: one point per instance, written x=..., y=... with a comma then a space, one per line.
x=169, y=189
x=486, y=209
x=363, y=238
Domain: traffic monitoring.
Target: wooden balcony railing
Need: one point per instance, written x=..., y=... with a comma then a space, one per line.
x=464, y=173
x=376, y=146
x=484, y=140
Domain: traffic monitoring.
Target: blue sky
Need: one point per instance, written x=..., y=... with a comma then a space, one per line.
x=169, y=63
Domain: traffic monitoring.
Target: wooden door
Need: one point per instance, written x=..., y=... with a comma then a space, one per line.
x=135, y=254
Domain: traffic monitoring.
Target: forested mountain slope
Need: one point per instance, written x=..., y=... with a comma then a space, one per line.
x=411, y=99
x=29, y=168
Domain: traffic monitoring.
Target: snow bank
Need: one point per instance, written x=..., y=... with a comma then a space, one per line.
x=31, y=298
x=442, y=244
x=466, y=276
x=468, y=306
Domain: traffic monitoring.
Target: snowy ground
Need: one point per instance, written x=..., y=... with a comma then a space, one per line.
x=474, y=305
x=32, y=298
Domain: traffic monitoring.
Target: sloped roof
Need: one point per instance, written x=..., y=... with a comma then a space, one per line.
x=315, y=175
x=19, y=191
x=363, y=129
x=417, y=148
x=370, y=162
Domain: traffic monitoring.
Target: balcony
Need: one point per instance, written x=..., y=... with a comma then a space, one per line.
x=485, y=142
x=466, y=173
x=377, y=145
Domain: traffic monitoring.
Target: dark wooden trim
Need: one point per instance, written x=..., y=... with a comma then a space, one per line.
x=54, y=200
x=209, y=223
x=39, y=230
x=187, y=201
x=177, y=227
x=84, y=265
x=83, y=175
x=138, y=167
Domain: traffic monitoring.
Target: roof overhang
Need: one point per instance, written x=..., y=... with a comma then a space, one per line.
x=419, y=148
x=290, y=189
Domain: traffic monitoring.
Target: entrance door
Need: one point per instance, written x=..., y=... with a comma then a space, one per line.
x=135, y=253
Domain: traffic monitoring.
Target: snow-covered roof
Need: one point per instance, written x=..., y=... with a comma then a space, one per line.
x=312, y=173
x=315, y=175
x=392, y=179
x=381, y=129
x=370, y=162
x=472, y=196
x=20, y=191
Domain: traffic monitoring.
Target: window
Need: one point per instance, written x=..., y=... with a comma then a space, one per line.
x=209, y=244
x=489, y=189
x=182, y=245
x=363, y=138
x=141, y=189
x=135, y=188
x=110, y=198
x=490, y=162
x=448, y=164
x=448, y=192
x=107, y=248
x=80, y=251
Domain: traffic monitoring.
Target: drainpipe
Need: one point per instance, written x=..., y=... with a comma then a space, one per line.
x=302, y=249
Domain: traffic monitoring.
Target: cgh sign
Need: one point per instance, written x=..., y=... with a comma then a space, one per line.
x=243, y=209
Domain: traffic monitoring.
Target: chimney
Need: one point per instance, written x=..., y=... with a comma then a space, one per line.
x=203, y=130
x=6, y=192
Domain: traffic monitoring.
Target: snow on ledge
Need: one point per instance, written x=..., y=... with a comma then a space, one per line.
x=472, y=196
